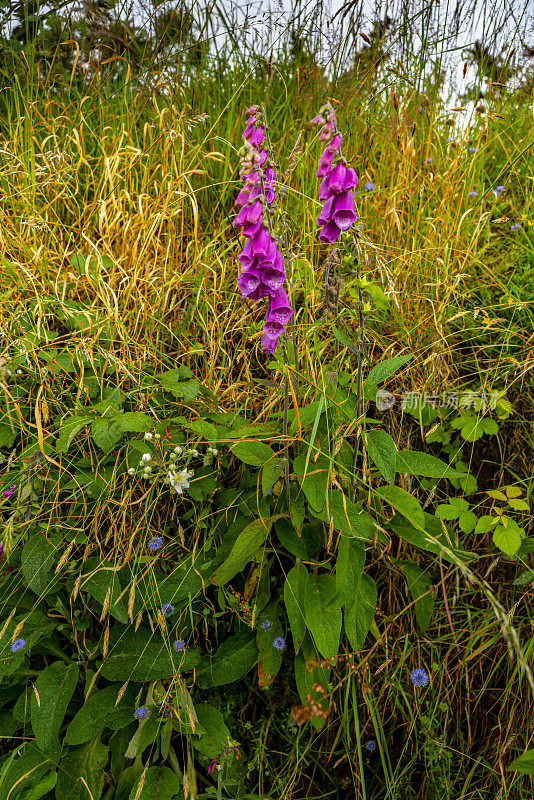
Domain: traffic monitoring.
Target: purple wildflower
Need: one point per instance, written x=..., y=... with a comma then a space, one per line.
x=213, y=764
x=167, y=609
x=267, y=625
x=279, y=643
x=429, y=160
x=419, y=678
x=369, y=187
x=515, y=226
x=9, y=492
x=141, y=712
x=179, y=646
x=17, y=645
x=155, y=544
x=473, y=149
x=473, y=194
x=371, y=745
x=498, y=190
x=263, y=271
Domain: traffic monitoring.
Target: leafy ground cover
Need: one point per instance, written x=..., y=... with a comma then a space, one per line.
x=226, y=573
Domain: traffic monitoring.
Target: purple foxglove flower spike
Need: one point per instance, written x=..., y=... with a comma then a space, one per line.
x=250, y=229
x=257, y=137
x=248, y=281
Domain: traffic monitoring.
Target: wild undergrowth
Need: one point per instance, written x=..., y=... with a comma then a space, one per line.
x=226, y=573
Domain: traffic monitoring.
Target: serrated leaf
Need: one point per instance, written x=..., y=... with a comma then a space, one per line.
x=507, y=539
x=381, y=448
x=134, y=422
x=524, y=764
x=243, y=550
x=467, y=521
x=270, y=473
x=384, y=370
x=253, y=452
x=472, y=430
x=518, y=505
x=179, y=383
x=37, y=562
x=496, y=494
x=448, y=511
x=513, y=491
x=68, y=430
x=55, y=686
x=323, y=613
x=106, y=433
x=485, y=524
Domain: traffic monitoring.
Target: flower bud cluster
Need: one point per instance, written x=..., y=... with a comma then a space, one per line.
x=338, y=181
x=263, y=270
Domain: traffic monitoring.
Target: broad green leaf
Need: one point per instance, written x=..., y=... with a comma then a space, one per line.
x=35, y=626
x=313, y=478
x=408, y=506
x=485, y=524
x=86, y=761
x=106, y=433
x=68, y=430
x=8, y=436
x=496, y=494
x=414, y=462
x=159, y=783
x=296, y=507
x=381, y=372
x=524, y=764
x=202, y=428
x=467, y=521
x=234, y=658
x=359, y=617
x=216, y=732
x=346, y=516
x=420, y=539
x=179, y=383
x=448, y=511
x=101, y=581
x=323, y=613
x=295, y=602
x=518, y=505
x=513, y=491
x=507, y=539
x=382, y=451
x=98, y=712
x=134, y=422
x=270, y=473
x=37, y=561
x=244, y=549
x=40, y=789
x=421, y=591
x=143, y=656
x=253, y=452
x=145, y=735
x=269, y=658
x=349, y=568
x=24, y=772
x=54, y=688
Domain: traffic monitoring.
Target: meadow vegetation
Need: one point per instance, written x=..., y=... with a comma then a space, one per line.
x=226, y=573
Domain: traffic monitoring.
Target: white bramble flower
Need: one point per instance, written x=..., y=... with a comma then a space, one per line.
x=131, y=471
x=146, y=457
x=148, y=436
x=194, y=453
x=179, y=480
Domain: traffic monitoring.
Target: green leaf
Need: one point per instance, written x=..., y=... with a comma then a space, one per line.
x=419, y=538
x=68, y=430
x=414, y=462
x=408, y=506
x=270, y=473
x=448, y=511
x=323, y=613
x=381, y=372
x=519, y=505
x=421, y=591
x=467, y=521
x=134, y=422
x=38, y=790
x=145, y=735
x=177, y=381
x=253, y=452
x=216, y=732
x=106, y=433
x=142, y=656
x=344, y=340
x=524, y=764
x=37, y=561
x=507, y=539
x=100, y=580
x=359, y=617
x=7, y=436
x=349, y=568
x=244, y=549
x=234, y=658
x=98, y=712
x=382, y=450
x=54, y=688
x=297, y=510
x=23, y=773
x=313, y=478
x=346, y=516
x=485, y=524
x=472, y=430
x=295, y=602
x=496, y=494
x=88, y=762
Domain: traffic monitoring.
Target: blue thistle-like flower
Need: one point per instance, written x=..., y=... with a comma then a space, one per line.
x=179, y=646
x=155, y=544
x=515, y=227
x=369, y=187
x=371, y=745
x=279, y=643
x=17, y=645
x=419, y=677
x=473, y=194
x=267, y=625
x=141, y=712
x=429, y=160
x=167, y=609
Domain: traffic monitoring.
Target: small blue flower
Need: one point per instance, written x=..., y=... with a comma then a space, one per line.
x=498, y=190
x=473, y=194
x=419, y=678
x=473, y=149
x=279, y=643
x=141, y=712
x=267, y=625
x=420, y=110
x=515, y=227
x=167, y=609
x=369, y=187
x=429, y=160
x=155, y=544
x=17, y=645
x=371, y=745
x=179, y=646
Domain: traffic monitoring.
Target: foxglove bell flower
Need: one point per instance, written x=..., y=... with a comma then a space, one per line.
x=338, y=180
x=263, y=272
